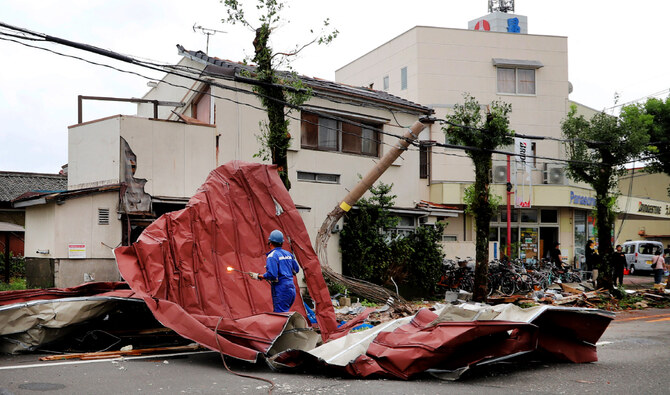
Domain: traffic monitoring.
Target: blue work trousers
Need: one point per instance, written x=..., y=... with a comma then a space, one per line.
x=283, y=295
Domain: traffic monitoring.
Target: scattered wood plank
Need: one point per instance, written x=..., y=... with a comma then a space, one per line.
x=581, y=296
x=117, y=354
x=571, y=290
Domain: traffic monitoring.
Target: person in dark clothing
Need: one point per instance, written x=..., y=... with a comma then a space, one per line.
x=590, y=255
x=555, y=256
x=592, y=259
x=618, y=262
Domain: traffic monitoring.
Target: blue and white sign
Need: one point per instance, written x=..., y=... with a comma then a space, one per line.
x=582, y=200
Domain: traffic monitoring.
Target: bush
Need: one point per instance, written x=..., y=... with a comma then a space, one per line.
x=372, y=253
x=17, y=266
x=14, y=284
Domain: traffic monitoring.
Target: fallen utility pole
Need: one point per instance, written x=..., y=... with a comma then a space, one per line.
x=365, y=289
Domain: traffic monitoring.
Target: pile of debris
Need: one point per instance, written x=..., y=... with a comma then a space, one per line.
x=584, y=295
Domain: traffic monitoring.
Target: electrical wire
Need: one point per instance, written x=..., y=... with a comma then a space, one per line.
x=162, y=68
x=216, y=334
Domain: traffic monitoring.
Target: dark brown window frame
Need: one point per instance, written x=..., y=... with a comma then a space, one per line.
x=349, y=136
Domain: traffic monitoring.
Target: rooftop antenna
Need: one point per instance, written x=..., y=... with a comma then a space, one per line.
x=207, y=32
x=501, y=5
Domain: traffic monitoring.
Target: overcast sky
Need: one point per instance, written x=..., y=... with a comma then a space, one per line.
x=613, y=46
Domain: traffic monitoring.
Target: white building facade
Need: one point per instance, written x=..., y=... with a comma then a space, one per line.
x=437, y=66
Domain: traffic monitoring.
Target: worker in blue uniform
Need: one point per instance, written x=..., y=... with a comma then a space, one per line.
x=281, y=266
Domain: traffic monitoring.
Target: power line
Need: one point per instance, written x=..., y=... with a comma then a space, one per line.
x=157, y=67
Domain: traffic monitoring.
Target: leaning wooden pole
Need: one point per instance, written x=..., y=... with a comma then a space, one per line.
x=362, y=288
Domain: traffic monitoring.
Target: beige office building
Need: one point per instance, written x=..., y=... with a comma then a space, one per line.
x=436, y=66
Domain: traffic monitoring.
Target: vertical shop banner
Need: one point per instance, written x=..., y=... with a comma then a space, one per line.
x=523, y=187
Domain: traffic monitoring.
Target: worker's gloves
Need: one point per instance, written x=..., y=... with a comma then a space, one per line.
x=253, y=275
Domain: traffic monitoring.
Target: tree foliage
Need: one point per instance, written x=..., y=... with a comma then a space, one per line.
x=598, y=149
x=484, y=132
x=372, y=253
x=659, y=132
x=279, y=92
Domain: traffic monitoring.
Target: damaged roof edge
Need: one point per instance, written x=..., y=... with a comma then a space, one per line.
x=230, y=70
x=36, y=200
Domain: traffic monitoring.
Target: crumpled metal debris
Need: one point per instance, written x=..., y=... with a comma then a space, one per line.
x=452, y=339
x=178, y=265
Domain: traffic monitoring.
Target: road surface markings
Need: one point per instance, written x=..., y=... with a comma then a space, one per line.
x=644, y=317
x=660, y=319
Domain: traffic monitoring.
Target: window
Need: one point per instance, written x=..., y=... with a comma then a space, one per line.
x=533, y=148
x=319, y=177
x=202, y=105
x=449, y=238
x=516, y=81
x=403, y=78
x=503, y=216
x=549, y=216
x=424, y=161
x=329, y=134
x=103, y=216
x=386, y=82
x=405, y=227
x=529, y=216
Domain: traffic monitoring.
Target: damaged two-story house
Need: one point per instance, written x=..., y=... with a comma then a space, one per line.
x=125, y=171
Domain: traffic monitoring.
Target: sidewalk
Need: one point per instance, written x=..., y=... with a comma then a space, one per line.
x=639, y=281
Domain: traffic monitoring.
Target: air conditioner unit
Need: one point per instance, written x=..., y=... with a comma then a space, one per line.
x=554, y=174
x=499, y=174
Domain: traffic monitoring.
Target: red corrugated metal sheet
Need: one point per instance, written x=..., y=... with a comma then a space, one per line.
x=178, y=265
x=111, y=289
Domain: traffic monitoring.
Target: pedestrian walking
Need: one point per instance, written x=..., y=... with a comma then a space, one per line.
x=658, y=266
x=618, y=263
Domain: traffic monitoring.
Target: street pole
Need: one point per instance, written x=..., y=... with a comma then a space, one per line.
x=7, y=257
x=509, y=210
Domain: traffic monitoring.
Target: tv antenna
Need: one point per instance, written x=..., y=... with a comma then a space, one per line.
x=207, y=32
x=501, y=5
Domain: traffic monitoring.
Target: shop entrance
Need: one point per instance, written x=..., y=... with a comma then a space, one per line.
x=548, y=236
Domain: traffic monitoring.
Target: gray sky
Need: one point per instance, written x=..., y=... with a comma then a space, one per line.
x=613, y=46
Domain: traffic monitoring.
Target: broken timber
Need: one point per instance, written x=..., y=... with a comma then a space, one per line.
x=118, y=354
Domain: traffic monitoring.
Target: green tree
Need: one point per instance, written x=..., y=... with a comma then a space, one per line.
x=598, y=149
x=363, y=239
x=371, y=252
x=659, y=133
x=275, y=89
x=484, y=133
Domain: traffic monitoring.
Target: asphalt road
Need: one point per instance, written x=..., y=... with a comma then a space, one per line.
x=633, y=344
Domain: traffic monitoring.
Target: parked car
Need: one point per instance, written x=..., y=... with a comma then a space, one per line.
x=639, y=254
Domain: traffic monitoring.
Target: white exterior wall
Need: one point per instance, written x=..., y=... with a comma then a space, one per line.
x=40, y=234
x=445, y=63
x=76, y=221
x=174, y=157
x=171, y=89
x=93, y=153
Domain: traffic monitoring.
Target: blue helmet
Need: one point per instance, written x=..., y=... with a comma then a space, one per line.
x=276, y=237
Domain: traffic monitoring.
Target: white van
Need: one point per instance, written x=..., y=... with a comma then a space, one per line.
x=640, y=253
